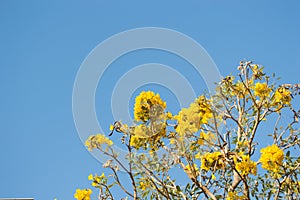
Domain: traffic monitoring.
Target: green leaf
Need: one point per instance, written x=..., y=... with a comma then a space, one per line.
x=288, y=153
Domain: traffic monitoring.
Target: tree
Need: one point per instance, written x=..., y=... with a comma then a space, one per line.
x=214, y=142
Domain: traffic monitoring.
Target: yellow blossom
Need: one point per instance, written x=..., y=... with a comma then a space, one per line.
x=190, y=119
x=282, y=96
x=169, y=115
x=95, y=141
x=189, y=168
x=97, y=179
x=144, y=102
x=205, y=137
x=90, y=177
x=271, y=158
x=141, y=131
x=94, y=184
x=262, y=90
x=84, y=194
x=136, y=141
x=143, y=185
x=212, y=161
x=213, y=177
x=234, y=196
x=193, y=170
x=147, y=136
x=246, y=166
x=240, y=90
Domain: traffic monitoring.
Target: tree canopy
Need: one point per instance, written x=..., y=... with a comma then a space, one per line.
x=241, y=142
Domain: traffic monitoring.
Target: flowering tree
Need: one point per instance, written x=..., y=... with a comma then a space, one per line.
x=215, y=144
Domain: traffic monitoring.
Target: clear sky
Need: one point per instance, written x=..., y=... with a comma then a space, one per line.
x=43, y=43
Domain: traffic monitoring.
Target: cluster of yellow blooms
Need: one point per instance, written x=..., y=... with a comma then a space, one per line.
x=144, y=184
x=234, y=196
x=206, y=137
x=240, y=90
x=142, y=131
x=191, y=169
x=190, y=119
x=149, y=106
x=246, y=165
x=144, y=102
x=151, y=128
x=96, y=141
x=262, y=90
x=96, y=179
x=282, y=96
x=211, y=161
x=144, y=135
x=271, y=158
x=84, y=194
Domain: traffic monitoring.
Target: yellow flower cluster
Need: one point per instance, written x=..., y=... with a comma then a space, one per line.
x=240, y=90
x=246, y=165
x=282, y=96
x=96, y=179
x=143, y=185
x=206, y=137
x=149, y=106
x=95, y=141
x=84, y=194
x=147, y=136
x=235, y=196
x=141, y=131
x=257, y=72
x=190, y=119
x=271, y=158
x=212, y=161
x=119, y=127
x=262, y=90
x=191, y=169
x=144, y=102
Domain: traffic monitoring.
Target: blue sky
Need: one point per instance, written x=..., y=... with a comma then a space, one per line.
x=43, y=43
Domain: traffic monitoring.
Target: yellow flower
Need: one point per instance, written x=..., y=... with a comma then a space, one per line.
x=102, y=175
x=144, y=102
x=211, y=161
x=240, y=90
x=147, y=135
x=136, y=141
x=90, y=177
x=95, y=141
x=98, y=179
x=282, y=96
x=189, y=168
x=143, y=185
x=271, y=158
x=234, y=196
x=205, y=137
x=169, y=115
x=262, y=90
x=190, y=119
x=84, y=194
x=246, y=166
x=192, y=169
x=141, y=131
x=213, y=177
